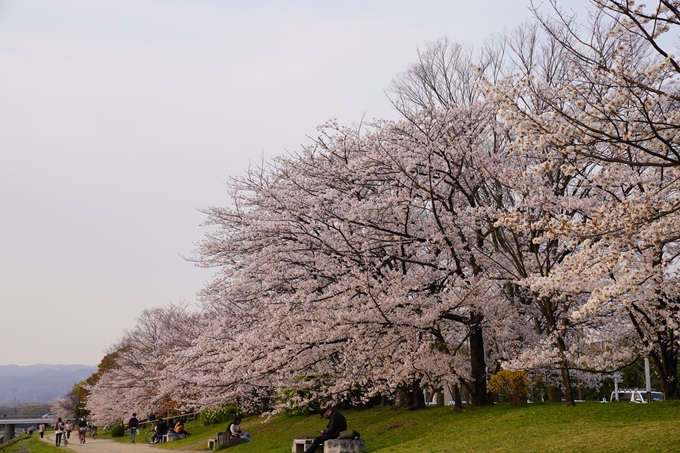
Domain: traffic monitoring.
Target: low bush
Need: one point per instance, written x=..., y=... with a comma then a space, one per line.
x=118, y=430
x=224, y=414
x=511, y=385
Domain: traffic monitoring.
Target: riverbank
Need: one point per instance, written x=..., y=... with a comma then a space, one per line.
x=588, y=427
x=544, y=428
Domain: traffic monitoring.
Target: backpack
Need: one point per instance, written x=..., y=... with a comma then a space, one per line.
x=348, y=434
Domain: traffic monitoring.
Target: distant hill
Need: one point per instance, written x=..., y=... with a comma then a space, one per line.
x=36, y=384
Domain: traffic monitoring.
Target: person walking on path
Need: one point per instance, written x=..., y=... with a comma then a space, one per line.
x=133, y=424
x=105, y=446
x=336, y=424
x=58, y=432
x=68, y=429
x=82, y=429
x=41, y=430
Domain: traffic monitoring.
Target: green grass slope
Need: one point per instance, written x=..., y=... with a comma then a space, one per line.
x=588, y=427
x=23, y=444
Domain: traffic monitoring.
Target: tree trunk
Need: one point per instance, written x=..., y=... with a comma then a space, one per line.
x=410, y=396
x=440, y=398
x=554, y=394
x=549, y=308
x=667, y=367
x=478, y=394
x=564, y=370
x=566, y=383
x=455, y=394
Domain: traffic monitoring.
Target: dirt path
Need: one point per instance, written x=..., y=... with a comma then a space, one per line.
x=104, y=445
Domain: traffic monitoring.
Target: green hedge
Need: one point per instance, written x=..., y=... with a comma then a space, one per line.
x=118, y=430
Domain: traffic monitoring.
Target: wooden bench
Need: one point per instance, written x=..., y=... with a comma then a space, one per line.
x=225, y=440
x=236, y=441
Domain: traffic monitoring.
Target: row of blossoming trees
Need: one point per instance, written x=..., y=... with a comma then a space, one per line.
x=522, y=214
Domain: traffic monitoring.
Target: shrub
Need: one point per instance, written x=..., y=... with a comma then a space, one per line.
x=511, y=385
x=216, y=416
x=302, y=397
x=118, y=430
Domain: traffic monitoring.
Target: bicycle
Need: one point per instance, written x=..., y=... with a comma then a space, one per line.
x=152, y=437
x=81, y=434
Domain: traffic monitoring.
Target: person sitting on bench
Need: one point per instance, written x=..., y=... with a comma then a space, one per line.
x=179, y=429
x=235, y=430
x=336, y=424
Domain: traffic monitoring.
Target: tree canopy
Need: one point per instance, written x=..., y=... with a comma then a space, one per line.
x=522, y=214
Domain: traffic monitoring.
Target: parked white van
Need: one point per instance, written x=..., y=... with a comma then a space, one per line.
x=636, y=395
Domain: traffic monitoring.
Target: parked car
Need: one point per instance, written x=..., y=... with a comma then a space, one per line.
x=636, y=395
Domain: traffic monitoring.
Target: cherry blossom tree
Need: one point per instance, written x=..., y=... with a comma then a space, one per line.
x=346, y=241
x=522, y=214
x=65, y=407
x=133, y=382
x=617, y=117
x=386, y=239
x=498, y=182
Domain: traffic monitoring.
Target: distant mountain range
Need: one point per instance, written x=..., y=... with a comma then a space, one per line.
x=36, y=384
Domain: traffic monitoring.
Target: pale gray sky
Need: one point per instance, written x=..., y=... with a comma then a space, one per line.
x=118, y=119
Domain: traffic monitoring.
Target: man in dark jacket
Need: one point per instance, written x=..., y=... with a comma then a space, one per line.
x=161, y=428
x=133, y=424
x=336, y=424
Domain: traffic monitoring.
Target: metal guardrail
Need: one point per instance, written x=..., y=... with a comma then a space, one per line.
x=193, y=417
x=20, y=417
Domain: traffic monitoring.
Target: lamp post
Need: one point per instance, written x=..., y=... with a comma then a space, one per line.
x=648, y=380
x=616, y=388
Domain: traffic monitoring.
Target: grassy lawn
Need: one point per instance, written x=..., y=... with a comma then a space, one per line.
x=588, y=427
x=25, y=444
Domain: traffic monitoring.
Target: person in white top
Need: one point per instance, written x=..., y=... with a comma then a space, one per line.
x=235, y=430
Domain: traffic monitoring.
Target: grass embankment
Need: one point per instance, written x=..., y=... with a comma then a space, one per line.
x=24, y=444
x=588, y=427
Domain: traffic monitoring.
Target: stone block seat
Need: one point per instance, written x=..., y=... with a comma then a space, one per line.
x=300, y=444
x=344, y=446
x=352, y=445
x=170, y=436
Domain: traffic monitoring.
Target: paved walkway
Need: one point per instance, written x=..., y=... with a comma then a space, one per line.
x=104, y=445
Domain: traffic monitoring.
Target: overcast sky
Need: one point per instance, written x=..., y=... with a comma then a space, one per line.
x=119, y=119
